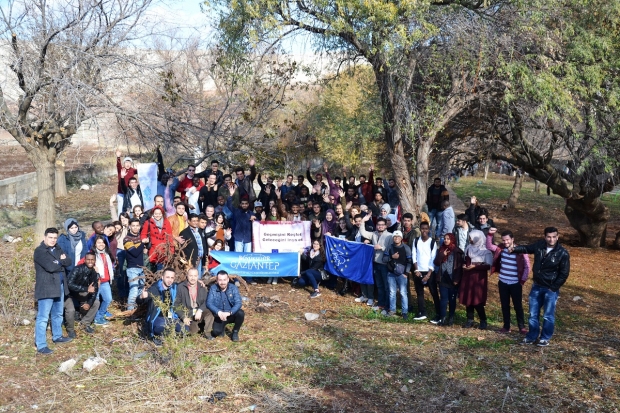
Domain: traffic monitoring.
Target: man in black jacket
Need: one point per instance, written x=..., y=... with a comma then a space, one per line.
x=551, y=269
x=195, y=249
x=50, y=288
x=83, y=286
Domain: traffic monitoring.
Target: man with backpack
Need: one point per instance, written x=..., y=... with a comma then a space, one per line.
x=425, y=249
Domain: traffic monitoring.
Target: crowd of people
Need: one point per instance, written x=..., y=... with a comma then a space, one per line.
x=199, y=212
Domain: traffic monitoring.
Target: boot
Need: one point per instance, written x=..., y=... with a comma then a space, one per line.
x=469, y=323
x=483, y=325
x=235, y=336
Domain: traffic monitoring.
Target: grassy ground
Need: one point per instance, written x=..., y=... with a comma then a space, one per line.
x=350, y=360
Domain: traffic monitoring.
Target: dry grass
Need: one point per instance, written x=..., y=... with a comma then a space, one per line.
x=350, y=360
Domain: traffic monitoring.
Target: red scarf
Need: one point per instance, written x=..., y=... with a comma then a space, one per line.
x=446, y=250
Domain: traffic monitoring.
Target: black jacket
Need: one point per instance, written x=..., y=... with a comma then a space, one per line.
x=79, y=279
x=550, y=270
x=49, y=270
x=183, y=302
x=191, y=249
x=316, y=263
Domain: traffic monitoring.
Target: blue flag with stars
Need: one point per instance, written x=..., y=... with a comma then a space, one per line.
x=351, y=260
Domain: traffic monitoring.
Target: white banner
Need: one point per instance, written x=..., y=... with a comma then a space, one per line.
x=147, y=177
x=280, y=236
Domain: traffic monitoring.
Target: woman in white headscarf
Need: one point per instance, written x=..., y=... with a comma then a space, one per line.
x=473, y=287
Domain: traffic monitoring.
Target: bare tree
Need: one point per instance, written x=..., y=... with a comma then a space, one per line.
x=70, y=63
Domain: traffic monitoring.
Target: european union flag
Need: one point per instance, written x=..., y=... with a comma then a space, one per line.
x=351, y=260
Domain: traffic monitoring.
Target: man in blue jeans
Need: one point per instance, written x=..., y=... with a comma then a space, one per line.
x=381, y=240
x=242, y=228
x=50, y=288
x=399, y=266
x=551, y=268
x=434, y=196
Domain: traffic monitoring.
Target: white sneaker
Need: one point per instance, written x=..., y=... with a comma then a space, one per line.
x=361, y=299
x=274, y=281
x=375, y=308
x=269, y=280
x=383, y=313
x=370, y=302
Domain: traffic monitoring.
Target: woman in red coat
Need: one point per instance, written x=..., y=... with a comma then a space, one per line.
x=157, y=233
x=473, y=286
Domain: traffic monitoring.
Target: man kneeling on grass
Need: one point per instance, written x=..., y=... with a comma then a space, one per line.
x=84, y=289
x=224, y=301
x=160, y=298
x=191, y=305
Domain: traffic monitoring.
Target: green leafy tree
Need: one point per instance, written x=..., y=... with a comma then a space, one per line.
x=346, y=121
x=392, y=37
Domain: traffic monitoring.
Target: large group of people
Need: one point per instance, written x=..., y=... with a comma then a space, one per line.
x=195, y=213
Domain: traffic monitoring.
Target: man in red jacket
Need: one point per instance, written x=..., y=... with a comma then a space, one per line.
x=125, y=171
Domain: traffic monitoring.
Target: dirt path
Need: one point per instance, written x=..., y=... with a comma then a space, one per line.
x=456, y=203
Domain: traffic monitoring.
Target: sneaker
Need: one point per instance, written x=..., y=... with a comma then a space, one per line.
x=361, y=299
x=315, y=294
x=209, y=336
x=435, y=320
x=419, y=317
x=384, y=313
x=71, y=334
x=375, y=308
x=101, y=322
x=523, y=330
x=88, y=329
x=157, y=341
x=295, y=282
x=274, y=281
x=253, y=283
x=543, y=343
x=405, y=316
x=63, y=340
x=45, y=350
x=504, y=331
x=370, y=302
x=391, y=314
x=528, y=341
x=235, y=336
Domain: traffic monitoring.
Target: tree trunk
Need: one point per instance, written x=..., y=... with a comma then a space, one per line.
x=391, y=107
x=60, y=183
x=516, y=191
x=46, y=203
x=589, y=217
x=617, y=241
x=537, y=186
x=422, y=160
x=486, y=170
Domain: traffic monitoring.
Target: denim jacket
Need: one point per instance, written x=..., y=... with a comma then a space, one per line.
x=229, y=300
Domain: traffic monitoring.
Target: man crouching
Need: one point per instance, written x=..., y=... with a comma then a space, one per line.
x=191, y=305
x=224, y=301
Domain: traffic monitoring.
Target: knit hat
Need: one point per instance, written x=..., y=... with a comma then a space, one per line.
x=127, y=158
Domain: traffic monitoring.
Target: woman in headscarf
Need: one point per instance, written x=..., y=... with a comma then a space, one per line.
x=73, y=243
x=385, y=210
x=473, y=288
x=449, y=262
x=392, y=223
x=327, y=227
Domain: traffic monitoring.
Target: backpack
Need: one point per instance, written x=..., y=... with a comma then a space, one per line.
x=415, y=243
